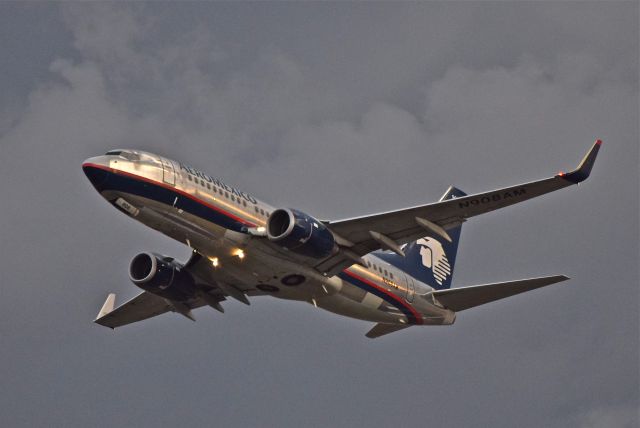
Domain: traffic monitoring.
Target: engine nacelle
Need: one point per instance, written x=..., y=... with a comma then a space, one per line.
x=162, y=276
x=300, y=233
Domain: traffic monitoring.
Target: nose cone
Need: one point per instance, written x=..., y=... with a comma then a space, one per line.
x=96, y=172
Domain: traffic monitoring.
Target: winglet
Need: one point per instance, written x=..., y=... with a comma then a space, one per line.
x=107, y=307
x=584, y=169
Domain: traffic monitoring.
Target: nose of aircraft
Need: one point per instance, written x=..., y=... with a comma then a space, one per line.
x=96, y=171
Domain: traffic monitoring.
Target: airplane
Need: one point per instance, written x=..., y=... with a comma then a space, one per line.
x=393, y=269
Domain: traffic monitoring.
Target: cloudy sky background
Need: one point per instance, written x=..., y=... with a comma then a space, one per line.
x=339, y=110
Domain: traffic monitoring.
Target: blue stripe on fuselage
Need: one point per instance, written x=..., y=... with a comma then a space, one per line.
x=386, y=296
x=126, y=183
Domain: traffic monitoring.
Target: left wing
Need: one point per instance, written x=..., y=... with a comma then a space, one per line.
x=362, y=235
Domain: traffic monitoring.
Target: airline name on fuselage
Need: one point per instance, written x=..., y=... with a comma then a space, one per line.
x=199, y=174
x=495, y=197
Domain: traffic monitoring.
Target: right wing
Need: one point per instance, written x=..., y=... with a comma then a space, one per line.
x=144, y=305
x=214, y=286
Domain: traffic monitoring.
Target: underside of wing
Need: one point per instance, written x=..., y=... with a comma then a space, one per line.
x=144, y=305
x=389, y=230
x=212, y=287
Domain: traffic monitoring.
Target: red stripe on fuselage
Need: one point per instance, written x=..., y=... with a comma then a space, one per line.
x=173, y=189
x=397, y=300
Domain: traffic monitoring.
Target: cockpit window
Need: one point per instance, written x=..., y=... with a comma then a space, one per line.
x=130, y=155
x=127, y=154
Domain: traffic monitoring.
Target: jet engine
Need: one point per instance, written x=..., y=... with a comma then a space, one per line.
x=300, y=233
x=163, y=276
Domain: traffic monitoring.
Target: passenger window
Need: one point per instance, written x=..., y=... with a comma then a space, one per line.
x=208, y=186
x=226, y=194
x=391, y=275
x=244, y=203
x=261, y=211
x=257, y=210
x=233, y=199
x=385, y=273
x=189, y=177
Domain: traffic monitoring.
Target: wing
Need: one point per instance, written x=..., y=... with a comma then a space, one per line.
x=213, y=287
x=212, y=280
x=144, y=305
x=363, y=235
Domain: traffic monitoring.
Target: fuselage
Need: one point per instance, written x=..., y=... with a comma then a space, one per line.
x=217, y=221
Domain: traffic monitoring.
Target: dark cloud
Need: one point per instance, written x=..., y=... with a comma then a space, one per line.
x=338, y=109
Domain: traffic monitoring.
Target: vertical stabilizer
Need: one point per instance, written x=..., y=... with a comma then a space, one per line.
x=431, y=259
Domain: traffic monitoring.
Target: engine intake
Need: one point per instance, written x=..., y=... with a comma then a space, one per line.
x=300, y=233
x=161, y=275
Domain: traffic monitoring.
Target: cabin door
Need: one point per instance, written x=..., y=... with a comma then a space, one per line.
x=411, y=288
x=168, y=172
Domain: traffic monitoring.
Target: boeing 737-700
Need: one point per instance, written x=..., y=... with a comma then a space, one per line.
x=393, y=269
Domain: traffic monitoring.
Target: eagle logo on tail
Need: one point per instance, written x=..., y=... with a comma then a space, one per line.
x=434, y=257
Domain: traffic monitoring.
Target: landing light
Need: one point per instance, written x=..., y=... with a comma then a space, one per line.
x=214, y=261
x=239, y=253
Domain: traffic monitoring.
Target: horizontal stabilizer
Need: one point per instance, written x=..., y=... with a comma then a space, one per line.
x=459, y=299
x=382, y=329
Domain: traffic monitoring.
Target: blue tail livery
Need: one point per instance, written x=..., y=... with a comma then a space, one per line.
x=430, y=259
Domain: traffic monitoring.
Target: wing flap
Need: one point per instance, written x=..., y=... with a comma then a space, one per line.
x=459, y=299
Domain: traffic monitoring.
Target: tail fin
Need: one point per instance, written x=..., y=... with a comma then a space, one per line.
x=430, y=259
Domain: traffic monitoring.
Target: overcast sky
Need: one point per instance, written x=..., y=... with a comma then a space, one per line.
x=338, y=109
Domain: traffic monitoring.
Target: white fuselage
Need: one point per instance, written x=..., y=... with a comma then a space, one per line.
x=215, y=220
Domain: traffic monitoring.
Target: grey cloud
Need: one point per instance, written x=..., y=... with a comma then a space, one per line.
x=338, y=109
x=612, y=416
